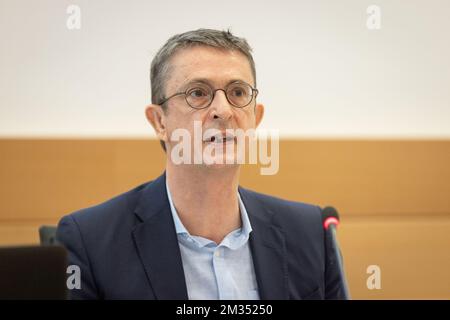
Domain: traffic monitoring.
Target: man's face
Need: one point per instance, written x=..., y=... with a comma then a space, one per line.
x=217, y=68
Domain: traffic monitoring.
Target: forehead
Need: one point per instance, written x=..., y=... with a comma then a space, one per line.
x=217, y=65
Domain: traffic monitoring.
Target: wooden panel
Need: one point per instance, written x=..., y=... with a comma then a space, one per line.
x=22, y=232
x=362, y=177
x=412, y=253
x=41, y=178
x=44, y=179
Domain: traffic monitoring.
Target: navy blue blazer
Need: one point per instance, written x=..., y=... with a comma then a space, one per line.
x=127, y=248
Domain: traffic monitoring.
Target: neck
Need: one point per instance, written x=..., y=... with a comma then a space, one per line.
x=205, y=199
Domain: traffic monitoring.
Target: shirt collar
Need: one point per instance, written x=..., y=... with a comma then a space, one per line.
x=181, y=229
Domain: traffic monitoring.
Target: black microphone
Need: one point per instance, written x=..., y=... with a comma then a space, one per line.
x=330, y=223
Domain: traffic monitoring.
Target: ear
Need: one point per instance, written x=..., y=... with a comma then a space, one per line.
x=157, y=118
x=259, y=113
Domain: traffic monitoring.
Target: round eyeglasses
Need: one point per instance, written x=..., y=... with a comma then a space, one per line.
x=200, y=95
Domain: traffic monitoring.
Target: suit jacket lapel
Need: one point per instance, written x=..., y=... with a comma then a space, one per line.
x=268, y=247
x=157, y=244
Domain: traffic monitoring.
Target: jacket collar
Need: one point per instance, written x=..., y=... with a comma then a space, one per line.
x=267, y=243
x=157, y=243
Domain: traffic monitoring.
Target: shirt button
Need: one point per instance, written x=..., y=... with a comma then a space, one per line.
x=217, y=253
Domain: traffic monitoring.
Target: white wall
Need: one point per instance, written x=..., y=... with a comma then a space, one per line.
x=321, y=72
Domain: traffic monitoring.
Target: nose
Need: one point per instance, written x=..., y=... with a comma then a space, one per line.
x=220, y=108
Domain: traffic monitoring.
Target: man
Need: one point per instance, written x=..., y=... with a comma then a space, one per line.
x=193, y=233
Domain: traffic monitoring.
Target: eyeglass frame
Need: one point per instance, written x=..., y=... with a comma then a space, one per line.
x=185, y=93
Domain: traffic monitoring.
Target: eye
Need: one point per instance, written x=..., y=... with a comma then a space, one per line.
x=239, y=91
x=198, y=93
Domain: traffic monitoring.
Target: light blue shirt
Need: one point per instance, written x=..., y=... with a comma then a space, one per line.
x=212, y=271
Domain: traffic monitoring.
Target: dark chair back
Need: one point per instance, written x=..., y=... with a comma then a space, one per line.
x=47, y=235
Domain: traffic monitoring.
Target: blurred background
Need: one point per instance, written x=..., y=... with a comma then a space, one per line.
x=360, y=97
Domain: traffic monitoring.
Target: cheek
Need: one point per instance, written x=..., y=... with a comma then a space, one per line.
x=182, y=120
x=245, y=118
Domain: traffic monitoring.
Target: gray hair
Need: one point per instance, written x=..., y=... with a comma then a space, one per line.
x=160, y=67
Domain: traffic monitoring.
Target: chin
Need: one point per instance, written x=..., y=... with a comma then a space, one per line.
x=221, y=161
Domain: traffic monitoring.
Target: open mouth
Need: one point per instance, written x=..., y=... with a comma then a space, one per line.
x=220, y=139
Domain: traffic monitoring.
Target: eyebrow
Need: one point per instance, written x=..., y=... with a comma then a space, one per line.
x=208, y=82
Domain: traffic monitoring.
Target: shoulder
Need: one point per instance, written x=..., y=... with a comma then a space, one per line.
x=107, y=215
x=286, y=207
x=291, y=216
